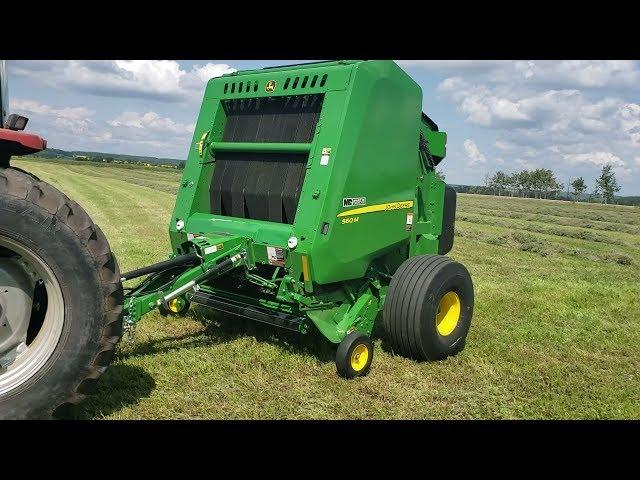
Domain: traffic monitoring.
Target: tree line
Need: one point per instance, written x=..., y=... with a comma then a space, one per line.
x=543, y=183
x=126, y=161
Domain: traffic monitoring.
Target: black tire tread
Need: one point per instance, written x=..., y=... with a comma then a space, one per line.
x=28, y=187
x=413, y=278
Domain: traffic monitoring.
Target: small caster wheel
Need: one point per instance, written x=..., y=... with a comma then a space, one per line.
x=354, y=355
x=178, y=306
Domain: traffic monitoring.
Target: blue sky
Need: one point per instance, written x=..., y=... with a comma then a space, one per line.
x=570, y=116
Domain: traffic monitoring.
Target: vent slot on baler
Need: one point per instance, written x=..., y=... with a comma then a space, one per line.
x=264, y=185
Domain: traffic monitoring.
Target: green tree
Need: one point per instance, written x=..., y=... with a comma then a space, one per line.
x=499, y=181
x=512, y=183
x=524, y=182
x=578, y=187
x=607, y=185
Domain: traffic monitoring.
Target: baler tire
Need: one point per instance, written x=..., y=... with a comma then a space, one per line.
x=345, y=355
x=411, y=313
x=40, y=219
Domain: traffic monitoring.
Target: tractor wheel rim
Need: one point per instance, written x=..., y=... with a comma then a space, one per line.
x=18, y=361
x=359, y=357
x=448, y=314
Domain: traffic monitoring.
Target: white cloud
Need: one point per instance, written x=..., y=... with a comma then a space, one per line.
x=151, y=121
x=525, y=164
x=200, y=75
x=504, y=145
x=580, y=73
x=157, y=79
x=595, y=158
x=629, y=115
x=474, y=155
x=73, y=119
x=458, y=66
x=542, y=73
x=556, y=110
x=74, y=128
x=151, y=130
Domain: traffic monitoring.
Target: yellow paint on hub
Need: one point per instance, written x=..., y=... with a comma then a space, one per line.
x=448, y=313
x=175, y=305
x=359, y=357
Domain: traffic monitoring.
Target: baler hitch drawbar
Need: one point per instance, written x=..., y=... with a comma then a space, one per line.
x=165, y=284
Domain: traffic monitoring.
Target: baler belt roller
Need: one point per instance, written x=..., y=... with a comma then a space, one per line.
x=260, y=147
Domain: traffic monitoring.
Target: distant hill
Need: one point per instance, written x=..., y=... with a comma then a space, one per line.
x=56, y=153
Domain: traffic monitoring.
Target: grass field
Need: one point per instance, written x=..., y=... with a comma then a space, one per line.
x=555, y=333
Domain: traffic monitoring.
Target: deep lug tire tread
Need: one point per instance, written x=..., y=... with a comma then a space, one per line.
x=60, y=212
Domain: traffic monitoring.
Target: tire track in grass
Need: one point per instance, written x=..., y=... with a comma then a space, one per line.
x=166, y=183
x=556, y=204
x=550, y=219
x=507, y=204
x=558, y=231
x=505, y=237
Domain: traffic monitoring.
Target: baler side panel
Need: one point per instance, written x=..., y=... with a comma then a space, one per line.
x=375, y=158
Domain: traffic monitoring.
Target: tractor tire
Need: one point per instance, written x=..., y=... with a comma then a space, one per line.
x=48, y=241
x=428, y=308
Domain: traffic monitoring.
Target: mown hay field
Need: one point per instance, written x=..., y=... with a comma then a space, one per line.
x=555, y=333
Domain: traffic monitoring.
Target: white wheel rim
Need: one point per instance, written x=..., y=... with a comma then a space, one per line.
x=30, y=359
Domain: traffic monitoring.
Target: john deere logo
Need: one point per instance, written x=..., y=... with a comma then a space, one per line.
x=270, y=86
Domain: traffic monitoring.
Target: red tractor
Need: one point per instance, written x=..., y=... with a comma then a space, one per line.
x=56, y=335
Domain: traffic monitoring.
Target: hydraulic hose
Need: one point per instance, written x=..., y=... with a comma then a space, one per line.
x=157, y=267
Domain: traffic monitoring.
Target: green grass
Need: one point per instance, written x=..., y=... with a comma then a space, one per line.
x=555, y=333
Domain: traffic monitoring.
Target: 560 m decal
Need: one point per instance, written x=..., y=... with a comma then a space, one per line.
x=381, y=207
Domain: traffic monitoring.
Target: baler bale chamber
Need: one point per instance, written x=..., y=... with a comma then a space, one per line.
x=309, y=200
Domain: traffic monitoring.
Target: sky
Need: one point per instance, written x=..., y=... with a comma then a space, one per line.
x=570, y=116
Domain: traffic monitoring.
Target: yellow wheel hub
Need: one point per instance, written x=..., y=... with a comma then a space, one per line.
x=359, y=357
x=448, y=313
x=175, y=305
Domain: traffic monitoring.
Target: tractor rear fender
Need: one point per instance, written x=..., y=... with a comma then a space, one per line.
x=17, y=143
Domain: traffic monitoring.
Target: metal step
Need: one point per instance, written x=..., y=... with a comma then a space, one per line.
x=259, y=314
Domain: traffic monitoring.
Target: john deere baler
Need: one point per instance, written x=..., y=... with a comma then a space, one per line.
x=310, y=201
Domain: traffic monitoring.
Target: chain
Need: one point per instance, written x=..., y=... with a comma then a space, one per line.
x=129, y=331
